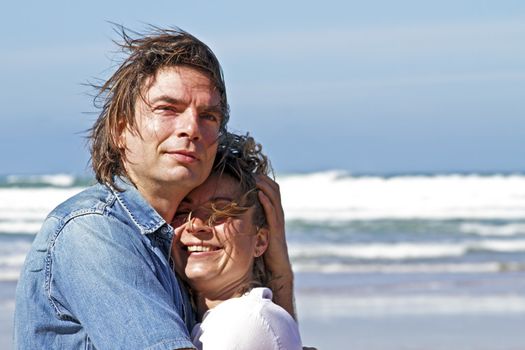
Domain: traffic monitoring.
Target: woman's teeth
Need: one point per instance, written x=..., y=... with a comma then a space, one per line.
x=200, y=248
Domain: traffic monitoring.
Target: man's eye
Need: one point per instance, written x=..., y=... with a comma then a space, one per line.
x=210, y=117
x=166, y=109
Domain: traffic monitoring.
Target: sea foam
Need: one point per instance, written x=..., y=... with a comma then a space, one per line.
x=22, y=210
x=336, y=196
x=58, y=180
x=402, y=251
x=424, y=305
x=483, y=229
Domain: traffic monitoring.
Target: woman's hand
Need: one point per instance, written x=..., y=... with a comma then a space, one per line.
x=276, y=257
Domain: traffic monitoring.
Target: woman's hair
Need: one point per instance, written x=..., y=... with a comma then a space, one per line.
x=241, y=158
x=116, y=97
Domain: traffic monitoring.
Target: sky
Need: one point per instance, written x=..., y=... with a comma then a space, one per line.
x=377, y=87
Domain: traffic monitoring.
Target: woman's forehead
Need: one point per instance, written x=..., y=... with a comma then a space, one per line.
x=216, y=187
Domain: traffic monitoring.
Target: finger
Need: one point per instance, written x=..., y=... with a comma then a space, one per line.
x=264, y=181
x=269, y=209
x=272, y=192
x=274, y=218
x=177, y=232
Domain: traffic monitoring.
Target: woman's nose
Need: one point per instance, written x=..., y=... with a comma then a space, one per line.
x=198, y=227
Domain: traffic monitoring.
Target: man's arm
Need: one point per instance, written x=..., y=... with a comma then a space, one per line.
x=276, y=257
x=105, y=279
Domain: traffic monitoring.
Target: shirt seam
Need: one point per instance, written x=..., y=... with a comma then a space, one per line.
x=49, y=260
x=177, y=343
x=270, y=328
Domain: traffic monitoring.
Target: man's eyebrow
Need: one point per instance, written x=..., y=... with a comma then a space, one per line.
x=213, y=109
x=166, y=98
x=174, y=101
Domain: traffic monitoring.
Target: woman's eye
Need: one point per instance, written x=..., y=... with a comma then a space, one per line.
x=221, y=205
x=220, y=219
x=180, y=218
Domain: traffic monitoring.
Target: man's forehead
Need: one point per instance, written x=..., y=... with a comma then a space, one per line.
x=174, y=88
x=186, y=75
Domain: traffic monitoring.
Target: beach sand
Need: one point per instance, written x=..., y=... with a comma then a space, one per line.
x=410, y=331
x=334, y=320
x=344, y=311
x=7, y=308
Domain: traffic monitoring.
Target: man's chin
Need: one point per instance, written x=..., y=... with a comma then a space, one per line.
x=184, y=177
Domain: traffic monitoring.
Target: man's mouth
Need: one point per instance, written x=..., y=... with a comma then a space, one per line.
x=184, y=156
x=187, y=154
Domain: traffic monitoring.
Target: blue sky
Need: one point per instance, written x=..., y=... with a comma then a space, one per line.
x=363, y=86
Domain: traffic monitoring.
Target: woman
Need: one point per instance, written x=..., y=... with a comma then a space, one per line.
x=222, y=235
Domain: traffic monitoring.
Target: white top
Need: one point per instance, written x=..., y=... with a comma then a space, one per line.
x=251, y=321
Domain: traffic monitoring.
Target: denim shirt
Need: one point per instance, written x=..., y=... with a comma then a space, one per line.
x=98, y=277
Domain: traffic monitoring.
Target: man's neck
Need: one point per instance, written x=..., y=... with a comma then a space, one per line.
x=163, y=198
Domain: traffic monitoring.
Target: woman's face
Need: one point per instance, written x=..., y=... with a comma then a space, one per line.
x=216, y=258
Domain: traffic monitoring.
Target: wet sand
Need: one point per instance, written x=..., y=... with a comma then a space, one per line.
x=336, y=320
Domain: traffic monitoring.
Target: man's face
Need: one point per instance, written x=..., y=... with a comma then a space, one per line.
x=177, y=125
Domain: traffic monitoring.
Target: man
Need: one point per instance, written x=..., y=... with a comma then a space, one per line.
x=98, y=273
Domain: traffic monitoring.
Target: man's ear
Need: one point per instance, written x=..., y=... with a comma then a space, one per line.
x=261, y=242
x=121, y=134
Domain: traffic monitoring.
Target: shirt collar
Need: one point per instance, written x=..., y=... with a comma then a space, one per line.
x=141, y=212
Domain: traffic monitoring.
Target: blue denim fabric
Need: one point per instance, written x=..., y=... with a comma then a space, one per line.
x=98, y=277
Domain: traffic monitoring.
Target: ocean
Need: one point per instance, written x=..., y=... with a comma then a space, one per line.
x=424, y=251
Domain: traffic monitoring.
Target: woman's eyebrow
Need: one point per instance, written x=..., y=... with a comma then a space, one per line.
x=186, y=200
x=220, y=198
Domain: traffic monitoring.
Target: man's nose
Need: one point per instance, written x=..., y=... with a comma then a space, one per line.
x=188, y=125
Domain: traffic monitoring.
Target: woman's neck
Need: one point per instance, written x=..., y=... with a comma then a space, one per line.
x=207, y=299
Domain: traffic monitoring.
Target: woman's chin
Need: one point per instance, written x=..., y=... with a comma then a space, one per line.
x=196, y=277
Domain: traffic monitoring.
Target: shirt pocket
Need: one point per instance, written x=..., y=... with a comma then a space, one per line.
x=37, y=258
x=36, y=261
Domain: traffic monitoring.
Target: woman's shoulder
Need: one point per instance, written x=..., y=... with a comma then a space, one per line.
x=260, y=299
x=253, y=321
x=257, y=303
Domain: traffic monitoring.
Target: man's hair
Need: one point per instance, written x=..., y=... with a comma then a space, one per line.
x=146, y=55
x=241, y=158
